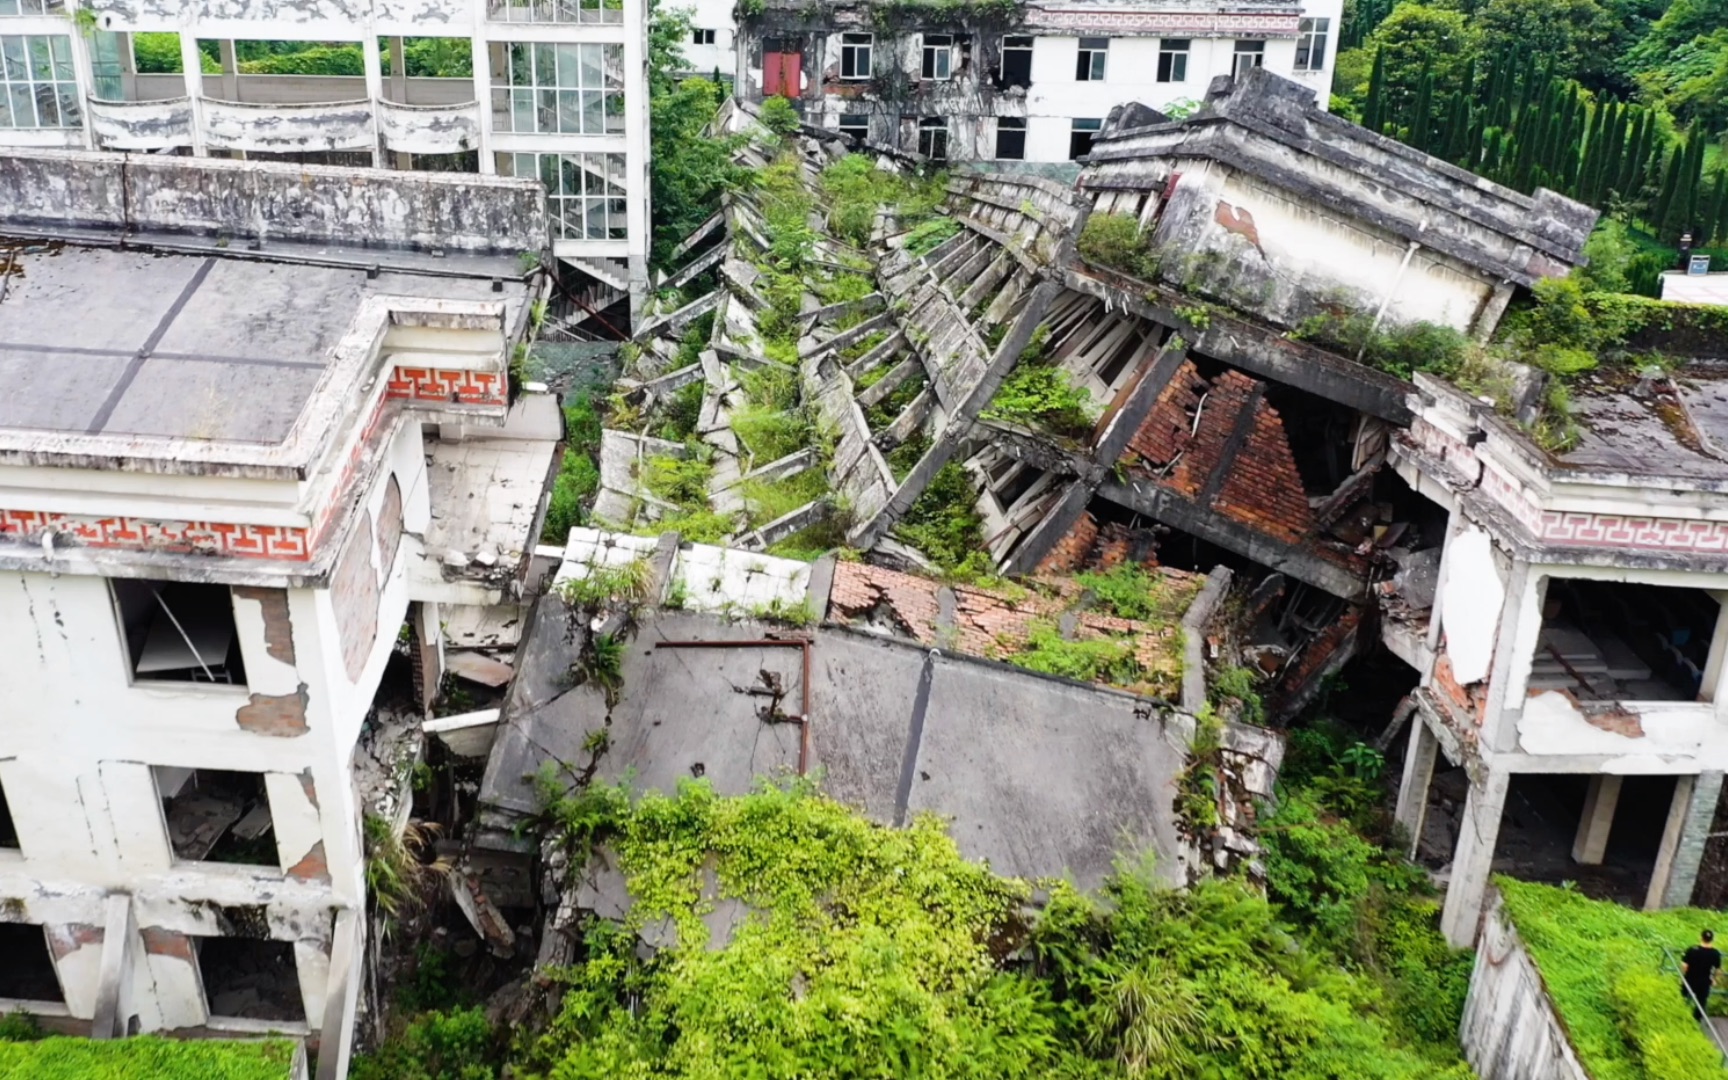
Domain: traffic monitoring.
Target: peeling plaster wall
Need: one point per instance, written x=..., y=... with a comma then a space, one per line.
x=340, y=125
x=293, y=202
x=1510, y=1030
x=429, y=129
x=141, y=125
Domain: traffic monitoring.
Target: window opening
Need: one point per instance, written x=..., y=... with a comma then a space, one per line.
x=214, y=815
x=37, y=86
x=1093, y=53
x=855, y=52
x=1080, y=138
x=1618, y=641
x=178, y=631
x=855, y=126
x=933, y=138
x=585, y=193
x=938, y=56
x=1173, y=60
x=1011, y=138
x=1311, y=46
x=561, y=89
x=1249, y=55
x=250, y=979
x=28, y=972
x=1017, y=61
x=701, y=37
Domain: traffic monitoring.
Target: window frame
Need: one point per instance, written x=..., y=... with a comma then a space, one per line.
x=37, y=75
x=1172, y=61
x=701, y=35
x=564, y=206
x=538, y=101
x=1311, y=32
x=938, y=57
x=1254, y=53
x=860, y=132
x=1092, y=62
x=852, y=47
x=930, y=129
x=1010, y=43
x=1077, y=127
x=1014, y=126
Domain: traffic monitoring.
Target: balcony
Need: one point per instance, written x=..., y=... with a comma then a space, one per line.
x=276, y=128
x=430, y=129
x=141, y=125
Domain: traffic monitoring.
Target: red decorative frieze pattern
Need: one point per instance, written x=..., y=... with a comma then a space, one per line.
x=1169, y=23
x=211, y=538
x=1622, y=531
x=454, y=387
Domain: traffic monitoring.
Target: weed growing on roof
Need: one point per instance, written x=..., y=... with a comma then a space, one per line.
x=1039, y=394
x=578, y=472
x=146, y=1057
x=769, y=500
x=905, y=457
x=1130, y=592
x=926, y=237
x=680, y=413
x=885, y=412
x=944, y=524
x=1116, y=241
x=682, y=481
x=1098, y=659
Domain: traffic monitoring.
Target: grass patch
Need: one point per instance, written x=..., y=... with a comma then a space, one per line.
x=681, y=412
x=769, y=500
x=858, y=349
x=813, y=542
x=944, y=523
x=885, y=412
x=578, y=473
x=1101, y=659
x=771, y=434
x=1115, y=241
x=926, y=237
x=146, y=1057
x=1130, y=592
x=1040, y=395
x=682, y=481
x=1603, y=966
x=905, y=457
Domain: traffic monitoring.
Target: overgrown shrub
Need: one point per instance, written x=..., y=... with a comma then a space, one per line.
x=1659, y=1026
x=779, y=117
x=578, y=472
x=1396, y=348
x=1097, y=659
x=944, y=524
x=1042, y=395
x=454, y=1045
x=1116, y=241
x=922, y=239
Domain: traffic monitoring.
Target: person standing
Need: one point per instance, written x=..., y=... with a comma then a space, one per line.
x=1697, y=968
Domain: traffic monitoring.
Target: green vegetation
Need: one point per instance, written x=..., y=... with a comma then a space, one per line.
x=689, y=169
x=679, y=414
x=1603, y=966
x=1039, y=394
x=578, y=473
x=608, y=586
x=1115, y=240
x=398, y=870
x=1615, y=104
x=772, y=423
x=1237, y=685
x=780, y=118
x=455, y=1045
x=1397, y=349
x=1130, y=592
x=922, y=239
x=883, y=414
x=855, y=189
x=944, y=524
x=1096, y=659
x=145, y=1057
x=771, y=499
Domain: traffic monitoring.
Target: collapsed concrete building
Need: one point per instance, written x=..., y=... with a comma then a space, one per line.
x=260, y=417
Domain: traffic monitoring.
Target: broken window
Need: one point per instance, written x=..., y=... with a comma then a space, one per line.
x=855, y=126
x=1311, y=46
x=560, y=89
x=37, y=86
x=8, y=831
x=1080, y=138
x=1017, y=61
x=585, y=193
x=1011, y=138
x=1618, y=641
x=250, y=979
x=28, y=972
x=1173, y=60
x=938, y=56
x=933, y=138
x=1249, y=54
x=178, y=631
x=1093, y=52
x=855, y=55
x=213, y=815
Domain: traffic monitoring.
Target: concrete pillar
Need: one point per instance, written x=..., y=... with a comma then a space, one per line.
x=113, y=991
x=636, y=208
x=1419, y=758
x=482, y=52
x=1473, y=859
x=1710, y=686
x=342, y=999
x=192, y=70
x=1514, y=652
x=230, y=71
x=1488, y=315
x=1596, y=821
x=1689, y=821
x=128, y=68
x=399, y=92
x=374, y=68
x=85, y=72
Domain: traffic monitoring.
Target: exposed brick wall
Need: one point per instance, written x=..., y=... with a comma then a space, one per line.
x=1262, y=488
x=1470, y=701
x=389, y=528
x=354, y=592
x=314, y=866
x=1164, y=432
x=1070, y=551
x=160, y=942
x=64, y=939
x=278, y=627
x=861, y=592
x=280, y=715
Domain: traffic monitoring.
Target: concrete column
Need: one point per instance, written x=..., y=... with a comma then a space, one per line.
x=1488, y=315
x=113, y=991
x=1473, y=859
x=230, y=72
x=1596, y=821
x=1689, y=820
x=85, y=72
x=128, y=68
x=192, y=70
x=1710, y=687
x=399, y=92
x=342, y=999
x=1514, y=651
x=1419, y=757
x=374, y=67
x=636, y=208
x=482, y=52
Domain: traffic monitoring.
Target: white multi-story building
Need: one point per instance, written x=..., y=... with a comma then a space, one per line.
x=712, y=49
x=557, y=92
x=231, y=466
x=1005, y=82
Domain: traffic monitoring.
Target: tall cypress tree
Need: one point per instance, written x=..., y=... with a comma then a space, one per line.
x=1710, y=216
x=1373, y=112
x=1422, y=109
x=1670, y=189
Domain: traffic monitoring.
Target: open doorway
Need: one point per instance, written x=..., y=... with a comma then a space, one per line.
x=250, y=979
x=27, y=969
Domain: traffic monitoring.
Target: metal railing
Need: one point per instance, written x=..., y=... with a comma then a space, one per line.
x=1697, y=1006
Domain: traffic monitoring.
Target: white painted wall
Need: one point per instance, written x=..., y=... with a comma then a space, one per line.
x=704, y=60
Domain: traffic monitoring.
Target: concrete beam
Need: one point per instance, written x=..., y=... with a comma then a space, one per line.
x=1412, y=807
x=1473, y=858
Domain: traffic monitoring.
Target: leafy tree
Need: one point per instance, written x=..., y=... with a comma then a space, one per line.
x=688, y=169
x=1415, y=36
x=1575, y=35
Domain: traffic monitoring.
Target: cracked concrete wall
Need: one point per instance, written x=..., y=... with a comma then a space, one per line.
x=429, y=129
x=141, y=125
x=338, y=125
x=311, y=203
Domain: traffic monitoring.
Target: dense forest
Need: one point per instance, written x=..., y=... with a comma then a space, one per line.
x=1621, y=104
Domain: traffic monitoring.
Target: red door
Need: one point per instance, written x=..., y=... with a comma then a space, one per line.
x=780, y=74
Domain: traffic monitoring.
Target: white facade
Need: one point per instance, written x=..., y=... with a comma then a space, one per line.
x=558, y=93
x=713, y=44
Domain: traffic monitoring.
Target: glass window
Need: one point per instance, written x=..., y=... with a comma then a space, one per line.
x=938, y=56
x=855, y=126
x=1017, y=60
x=1173, y=60
x=585, y=193
x=1311, y=46
x=855, y=55
x=32, y=7
x=556, y=11
x=1093, y=52
x=933, y=138
x=561, y=89
x=37, y=87
x=1011, y=138
x=1249, y=54
x=1080, y=138
x=701, y=37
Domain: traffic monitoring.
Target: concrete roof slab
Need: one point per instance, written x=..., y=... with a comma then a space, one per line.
x=55, y=393
x=214, y=400
x=266, y=311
